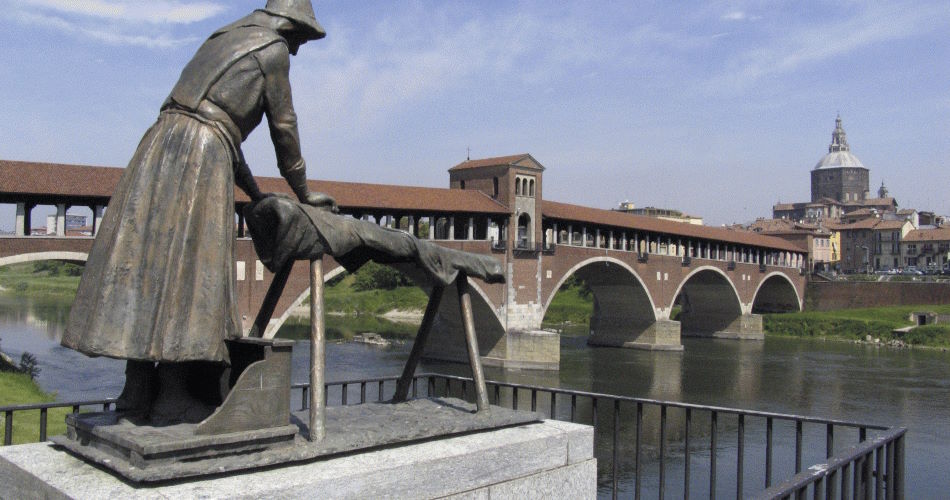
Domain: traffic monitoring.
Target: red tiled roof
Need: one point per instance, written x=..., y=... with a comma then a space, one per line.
x=784, y=206
x=938, y=234
x=870, y=223
x=568, y=212
x=861, y=224
x=490, y=162
x=45, y=179
x=785, y=227
x=29, y=178
x=890, y=224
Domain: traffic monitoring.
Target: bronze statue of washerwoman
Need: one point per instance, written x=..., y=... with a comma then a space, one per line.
x=158, y=289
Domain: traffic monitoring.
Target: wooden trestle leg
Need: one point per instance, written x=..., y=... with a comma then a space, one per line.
x=418, y=346
x=274, y=291
x=317, y=353
x=471, y=342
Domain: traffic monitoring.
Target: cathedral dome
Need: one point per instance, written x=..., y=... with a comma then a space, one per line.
x=839, y=153
x=839, y=159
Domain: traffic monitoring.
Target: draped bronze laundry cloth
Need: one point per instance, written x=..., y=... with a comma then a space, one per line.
x=284, y=230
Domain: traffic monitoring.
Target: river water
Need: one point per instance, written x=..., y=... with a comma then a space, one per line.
x=909, y=388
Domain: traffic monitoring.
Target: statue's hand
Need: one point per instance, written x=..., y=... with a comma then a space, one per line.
x=321, y=200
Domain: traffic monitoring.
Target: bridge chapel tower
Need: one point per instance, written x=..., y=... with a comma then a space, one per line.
x=513, y=181
x=516, y=183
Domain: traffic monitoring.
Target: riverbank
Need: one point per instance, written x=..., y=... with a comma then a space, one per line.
x=47, y=278
x=17, y=389
x=870, y=325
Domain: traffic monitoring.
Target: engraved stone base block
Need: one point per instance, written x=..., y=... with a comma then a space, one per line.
x=548, y=459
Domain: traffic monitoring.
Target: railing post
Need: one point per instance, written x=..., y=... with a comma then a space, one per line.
x=712, y=454
x=662, y=445
x=43, y=422
x=889, y=477
x=689, y=420
x=879, y=473
x=768, y=452
x=639, y=455
x=740, y=455
x=616, y=451
x=8, y=428
x=798, y=446
x=899, y=467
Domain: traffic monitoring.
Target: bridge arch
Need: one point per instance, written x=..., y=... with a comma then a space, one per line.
x=75, y=257
x=776, y=293
x=594, y=260
x=709, y=302
x=624, y=311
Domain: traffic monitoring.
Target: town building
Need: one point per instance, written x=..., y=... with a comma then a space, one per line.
x=660, y=213
x=871, y=244
x=927, y=249
x=821, y=243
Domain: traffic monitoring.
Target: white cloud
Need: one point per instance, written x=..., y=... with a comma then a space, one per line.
x=161, y=40
x=369, y=75
x=152, y=11
x=804, y=45
x=736, y=15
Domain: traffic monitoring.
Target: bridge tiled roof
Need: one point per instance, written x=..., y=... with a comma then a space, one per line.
x=613, y=218
x=358, y=196
x=51, y=180
x=54, y=179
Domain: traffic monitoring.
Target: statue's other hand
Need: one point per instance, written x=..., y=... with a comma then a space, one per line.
x=321, y=200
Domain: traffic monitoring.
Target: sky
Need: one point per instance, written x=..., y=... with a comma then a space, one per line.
x=719, y=108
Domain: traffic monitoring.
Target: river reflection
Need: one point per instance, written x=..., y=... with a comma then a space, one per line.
x=845, y=381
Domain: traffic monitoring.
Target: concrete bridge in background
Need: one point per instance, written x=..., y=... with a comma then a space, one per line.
x=652, y=281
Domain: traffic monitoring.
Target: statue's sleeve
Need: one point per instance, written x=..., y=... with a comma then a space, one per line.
x=274, y=61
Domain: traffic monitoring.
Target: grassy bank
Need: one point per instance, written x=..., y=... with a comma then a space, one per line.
x=16, y=389
x=48, y=278
x=342, y=297
x=572, y=304
x=857, y=324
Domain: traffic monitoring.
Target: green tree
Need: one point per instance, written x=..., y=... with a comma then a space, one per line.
x=377, y=276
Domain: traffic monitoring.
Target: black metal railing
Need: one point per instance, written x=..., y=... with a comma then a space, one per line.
x=873, y=467
x=43, y=409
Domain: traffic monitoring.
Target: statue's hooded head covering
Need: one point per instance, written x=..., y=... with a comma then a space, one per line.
x=300, y=12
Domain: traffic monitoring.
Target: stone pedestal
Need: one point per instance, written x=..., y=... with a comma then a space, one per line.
x=741, y=327
x=661, y=335
x=529, y=350
x=549, y=459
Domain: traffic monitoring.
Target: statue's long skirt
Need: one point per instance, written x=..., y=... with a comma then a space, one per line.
x=158, y=284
